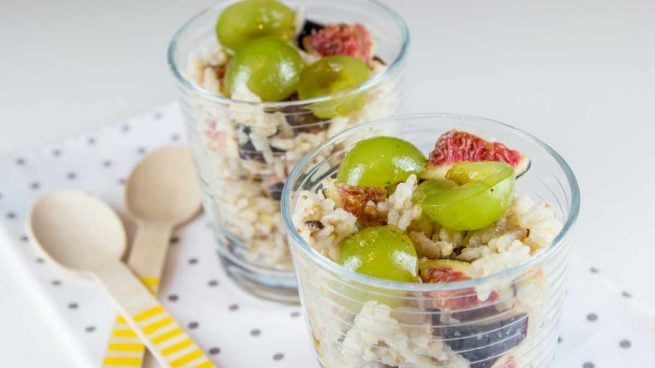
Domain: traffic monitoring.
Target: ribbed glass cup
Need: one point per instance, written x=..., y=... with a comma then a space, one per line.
x=245, y=150
x=358, y=321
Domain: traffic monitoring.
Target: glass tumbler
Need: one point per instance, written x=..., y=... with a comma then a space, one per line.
x=358, y=321
x=245, y=150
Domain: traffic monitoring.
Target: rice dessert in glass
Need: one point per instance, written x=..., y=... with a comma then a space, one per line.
x=255, y=100
x=416, y=254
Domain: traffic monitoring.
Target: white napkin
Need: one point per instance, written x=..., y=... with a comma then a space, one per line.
x=601, y=327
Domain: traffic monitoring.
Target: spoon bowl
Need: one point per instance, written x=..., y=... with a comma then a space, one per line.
x=84, y=235
x=77, y=230
x=164, y=187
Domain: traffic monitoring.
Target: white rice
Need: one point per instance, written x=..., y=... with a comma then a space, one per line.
x=433, y=249
x=374, y=337
x=335, y=223
x=377, y=337
x=399, y=207
x=239, y=188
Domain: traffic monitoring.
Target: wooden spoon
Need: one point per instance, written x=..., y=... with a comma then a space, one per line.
x=85, y=236
x=161, y=193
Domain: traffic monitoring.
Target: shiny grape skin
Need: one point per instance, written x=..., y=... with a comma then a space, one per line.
x=385, y=252
x=381, y=161
x=478, y=196
x=330, y=75
x=270, y=68
x=246, y=20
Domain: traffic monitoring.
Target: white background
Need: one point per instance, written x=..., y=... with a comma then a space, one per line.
x=579, y=74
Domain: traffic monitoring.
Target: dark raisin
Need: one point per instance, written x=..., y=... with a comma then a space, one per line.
x=247, y=150
x=316, y=225
x=307, y=29
x=300, y=118
x=303, y=120
x=275, y=190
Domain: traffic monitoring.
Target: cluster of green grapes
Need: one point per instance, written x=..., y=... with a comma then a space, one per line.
x=259, y=34
x=471, y=196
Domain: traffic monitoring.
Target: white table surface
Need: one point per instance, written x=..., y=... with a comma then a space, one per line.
x=579, y=74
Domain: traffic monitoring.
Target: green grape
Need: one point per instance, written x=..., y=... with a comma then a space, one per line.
x=250, y=19
x=382, y=251
x=385, y=252
x=474, y=195
x=271, y=69
x=380, y=161
x=485, y=172
x=330, y=75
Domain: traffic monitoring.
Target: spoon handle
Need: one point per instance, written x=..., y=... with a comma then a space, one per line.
x=165, y=339
x=146, y=259
x=148, y=253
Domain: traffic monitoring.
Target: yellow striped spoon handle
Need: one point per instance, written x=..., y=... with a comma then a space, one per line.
x=160, y=194
x=125, y=349
x=146, y=259
x=148, y=321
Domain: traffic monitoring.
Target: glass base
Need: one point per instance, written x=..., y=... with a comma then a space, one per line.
x=277, y=286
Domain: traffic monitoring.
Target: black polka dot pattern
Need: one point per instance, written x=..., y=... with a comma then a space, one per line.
x=91, y=165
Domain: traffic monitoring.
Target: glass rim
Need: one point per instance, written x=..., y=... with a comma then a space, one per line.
x=376, y=80
x=321, y=260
